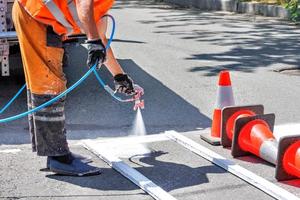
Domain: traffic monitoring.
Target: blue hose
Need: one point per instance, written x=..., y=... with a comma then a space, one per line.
x=109, y=90
x=112, y=31
x=91, y=70
x=24, y=114
x=13, y=99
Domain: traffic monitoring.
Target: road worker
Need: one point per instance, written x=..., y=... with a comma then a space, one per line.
x=41, y=26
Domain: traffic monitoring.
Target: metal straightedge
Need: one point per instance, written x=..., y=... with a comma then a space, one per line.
x=130, y=173
x=228, y=165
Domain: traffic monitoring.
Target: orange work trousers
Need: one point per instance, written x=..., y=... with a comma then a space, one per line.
x=45, y=80
x=42, y=64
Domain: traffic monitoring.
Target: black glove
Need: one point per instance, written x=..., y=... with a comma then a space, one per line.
x=124, y=84
x=96, y=52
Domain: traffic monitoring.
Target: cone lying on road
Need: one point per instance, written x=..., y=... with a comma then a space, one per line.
x=288, y=164
x=230, y=115
x=254, y=135
x=224, y=98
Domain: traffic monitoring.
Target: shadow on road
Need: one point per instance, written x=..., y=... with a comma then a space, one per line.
x=90, y=108
x=91, y=112
x=233, y=41
x=294, y=183
x=171, y=175
x=167, y=175
x=104, y=181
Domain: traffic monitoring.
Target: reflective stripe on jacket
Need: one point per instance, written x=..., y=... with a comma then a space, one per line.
x=62, y=14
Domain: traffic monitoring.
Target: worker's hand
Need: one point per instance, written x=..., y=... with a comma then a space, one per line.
x=124, y=84
x=96, y=52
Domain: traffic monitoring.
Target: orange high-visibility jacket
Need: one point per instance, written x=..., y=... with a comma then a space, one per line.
x=62, y=14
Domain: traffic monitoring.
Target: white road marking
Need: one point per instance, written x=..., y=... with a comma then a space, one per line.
x=124, y=151
x=130, y=140
x=133, y=175
x=138, y=139
x=286, y=130
x=255, y=180
x=13, y=151
x=129, y=146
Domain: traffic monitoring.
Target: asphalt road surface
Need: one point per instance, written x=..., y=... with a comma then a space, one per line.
x=175, y=54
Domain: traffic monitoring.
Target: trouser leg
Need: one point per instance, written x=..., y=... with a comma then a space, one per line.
x=45, y=79
x=49, y=127
x=30, y=121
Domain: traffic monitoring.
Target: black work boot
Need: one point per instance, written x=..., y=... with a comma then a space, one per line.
x=71, y=166
x=84, y=159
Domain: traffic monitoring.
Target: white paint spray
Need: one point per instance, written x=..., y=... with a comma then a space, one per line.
x=139, y=128
x=125, y=148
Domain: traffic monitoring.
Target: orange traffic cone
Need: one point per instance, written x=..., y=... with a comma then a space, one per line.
x=224, y=98
x=257, y=138
x=288, y=164
x=291, y=159
x=254, y=135
x=230, y=115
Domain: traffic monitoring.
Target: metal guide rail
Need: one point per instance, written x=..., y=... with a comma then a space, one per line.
x=130, y=173
x=158, y=193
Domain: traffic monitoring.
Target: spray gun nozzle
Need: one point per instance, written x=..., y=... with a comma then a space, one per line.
x=138, y=103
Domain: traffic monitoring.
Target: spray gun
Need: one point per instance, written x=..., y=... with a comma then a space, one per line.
x=138, y=102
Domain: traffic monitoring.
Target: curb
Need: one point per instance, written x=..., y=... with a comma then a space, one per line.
x=234, y=6
x=263, y=9
x=216, y=5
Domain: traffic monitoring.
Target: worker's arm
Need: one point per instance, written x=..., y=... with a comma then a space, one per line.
x=85, y=10
x=96, y=49
x=94, y=45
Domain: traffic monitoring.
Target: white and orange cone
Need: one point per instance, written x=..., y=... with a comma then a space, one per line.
x=224, y=99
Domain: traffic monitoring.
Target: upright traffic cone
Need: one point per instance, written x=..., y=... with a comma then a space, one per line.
x=224, y=98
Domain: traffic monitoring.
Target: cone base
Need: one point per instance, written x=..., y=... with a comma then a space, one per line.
x=227, y=112
x=236, y=150
x=284, y=143
x=215, y=141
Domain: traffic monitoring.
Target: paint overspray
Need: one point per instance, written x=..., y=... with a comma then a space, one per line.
x=131, y=149
x=139, y=128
